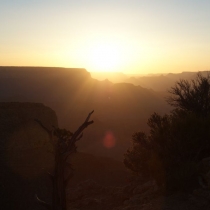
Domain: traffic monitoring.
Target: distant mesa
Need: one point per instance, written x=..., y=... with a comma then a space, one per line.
x=114, y=77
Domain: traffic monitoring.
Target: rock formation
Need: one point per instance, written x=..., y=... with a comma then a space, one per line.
x=25, y=154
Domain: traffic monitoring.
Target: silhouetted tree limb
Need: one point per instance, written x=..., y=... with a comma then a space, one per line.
x=43, y=203
x=78, y=134
x=64, y=146
x=50, y=132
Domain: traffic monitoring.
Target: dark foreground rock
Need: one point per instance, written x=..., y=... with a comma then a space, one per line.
x=89, y=195
x=24, y=154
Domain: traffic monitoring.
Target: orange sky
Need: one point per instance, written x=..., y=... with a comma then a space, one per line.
x=129, y=36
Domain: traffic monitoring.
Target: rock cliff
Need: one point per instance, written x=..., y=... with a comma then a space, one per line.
x=25, y=153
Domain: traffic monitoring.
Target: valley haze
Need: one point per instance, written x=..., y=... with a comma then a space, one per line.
x=121, y=106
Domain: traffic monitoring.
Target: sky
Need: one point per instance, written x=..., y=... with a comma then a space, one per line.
x=130, y=36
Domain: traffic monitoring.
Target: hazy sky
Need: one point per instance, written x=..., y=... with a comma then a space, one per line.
x=135, y=36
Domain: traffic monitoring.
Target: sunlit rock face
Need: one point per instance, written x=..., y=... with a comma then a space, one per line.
x=25, y=153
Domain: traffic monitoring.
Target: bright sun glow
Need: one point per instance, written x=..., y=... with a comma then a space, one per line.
x=104, y=57
x=104, y=54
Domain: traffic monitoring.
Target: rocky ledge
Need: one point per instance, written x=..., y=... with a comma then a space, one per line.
x=89, y=195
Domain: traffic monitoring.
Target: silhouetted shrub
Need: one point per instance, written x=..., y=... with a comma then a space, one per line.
x=175, y=143
x=192, y=96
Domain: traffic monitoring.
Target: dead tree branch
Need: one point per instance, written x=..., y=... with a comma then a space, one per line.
x=64, y=146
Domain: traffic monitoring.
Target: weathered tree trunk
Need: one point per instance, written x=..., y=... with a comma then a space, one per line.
x=64, y=146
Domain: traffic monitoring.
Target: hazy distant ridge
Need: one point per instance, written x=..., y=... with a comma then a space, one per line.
x=121, y=108
x=157, y=82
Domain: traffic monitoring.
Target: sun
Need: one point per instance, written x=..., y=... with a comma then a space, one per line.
x=104, y=57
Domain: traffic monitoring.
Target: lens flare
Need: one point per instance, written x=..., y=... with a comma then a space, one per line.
x=109, y=140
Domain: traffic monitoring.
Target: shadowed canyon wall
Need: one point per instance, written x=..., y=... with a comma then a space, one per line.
x=120, y=109
x=25, y=154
